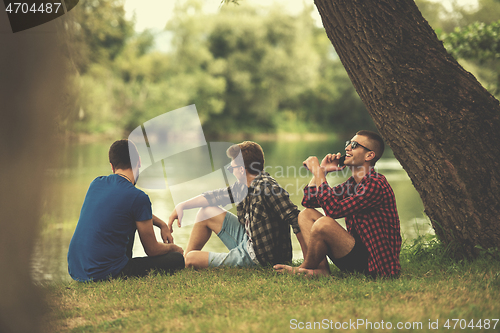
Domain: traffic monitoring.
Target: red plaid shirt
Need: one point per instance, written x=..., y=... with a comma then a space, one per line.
x=370, y=211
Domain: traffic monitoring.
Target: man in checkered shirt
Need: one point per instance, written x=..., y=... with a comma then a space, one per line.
x=372, y=241
x=260, y=233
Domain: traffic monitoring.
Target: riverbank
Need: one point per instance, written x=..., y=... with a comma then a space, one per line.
x=432, y=291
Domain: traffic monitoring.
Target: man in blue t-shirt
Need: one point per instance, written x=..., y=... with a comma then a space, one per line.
x=113, y=210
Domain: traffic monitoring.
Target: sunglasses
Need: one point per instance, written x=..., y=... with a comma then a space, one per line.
x=354, y=144
x=231, y=168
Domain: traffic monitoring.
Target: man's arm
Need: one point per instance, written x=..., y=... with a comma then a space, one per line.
x=148, y=239
x=319, y=173
x=278, y=200
x=196, y=202
x=365, y=195
x=329, y=164
x=166, y=235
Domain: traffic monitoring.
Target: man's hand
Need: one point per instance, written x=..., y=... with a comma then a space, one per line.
x=319, y=172
x=331, y=162
x=176, y=248
x=312, y=164
x=166, y=235
x=176, y=215
x=151, y=245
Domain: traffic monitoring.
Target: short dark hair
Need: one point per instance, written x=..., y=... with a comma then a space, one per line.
x=252, y=153
x=120, y=154
x=376, y=143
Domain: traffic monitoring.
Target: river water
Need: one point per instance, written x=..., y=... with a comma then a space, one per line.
x=81, y=163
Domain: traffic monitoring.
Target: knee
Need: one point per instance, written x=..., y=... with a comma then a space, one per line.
x=189, y=259
x=193, y=259
x=323, y=225
x=205, y=214
x=307, y=213
x=304, y=216
x=308, y=216
x=177, y=260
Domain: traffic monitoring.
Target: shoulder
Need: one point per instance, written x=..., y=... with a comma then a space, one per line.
x=138, y=193
x=379, y=182
x=127, y=189
x=111, y=179
x=99, y=180
x=375, y=177
x=99, y=185
x=266, y=184
x=379, y=179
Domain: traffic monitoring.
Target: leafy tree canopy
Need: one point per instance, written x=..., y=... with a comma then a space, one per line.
x=478, y=41
x=99, y=31
x=246, y=68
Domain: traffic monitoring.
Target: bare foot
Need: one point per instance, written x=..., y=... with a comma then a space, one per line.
x=314, y=272
x=301, y=271
x=286, y=269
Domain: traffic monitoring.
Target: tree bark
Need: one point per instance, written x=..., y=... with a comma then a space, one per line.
x=442, y=125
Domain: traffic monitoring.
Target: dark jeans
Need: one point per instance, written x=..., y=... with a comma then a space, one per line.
x=167, y=263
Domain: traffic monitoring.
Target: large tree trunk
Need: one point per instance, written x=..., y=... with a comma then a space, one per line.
x=32, y=89
x=442, y=125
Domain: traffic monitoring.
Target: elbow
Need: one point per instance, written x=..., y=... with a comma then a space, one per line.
x=151, y=251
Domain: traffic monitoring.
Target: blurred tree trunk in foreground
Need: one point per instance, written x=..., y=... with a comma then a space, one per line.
x=442, y=125
x=31, y=92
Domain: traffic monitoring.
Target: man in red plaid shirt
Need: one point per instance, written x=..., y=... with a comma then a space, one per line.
x=372, y=241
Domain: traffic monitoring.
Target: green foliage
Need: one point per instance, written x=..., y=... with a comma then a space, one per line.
x=276, y=70
x=426, y=247
x=458, y=14
x=493, y=253
x=479, y=43
x=100, y=31
x=436, y=14
x=471, y=34
x=246, y=68
x=486, y=11
x=334, y=103
x=255, y=61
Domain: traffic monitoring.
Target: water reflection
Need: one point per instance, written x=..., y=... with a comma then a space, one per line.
x=82, y=163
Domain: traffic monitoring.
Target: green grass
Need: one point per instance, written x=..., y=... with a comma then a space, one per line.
x=431, y=287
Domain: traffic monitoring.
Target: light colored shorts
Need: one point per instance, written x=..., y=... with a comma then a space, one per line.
x=233, y=235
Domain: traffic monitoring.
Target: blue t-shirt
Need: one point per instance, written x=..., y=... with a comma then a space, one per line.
x=111, y=208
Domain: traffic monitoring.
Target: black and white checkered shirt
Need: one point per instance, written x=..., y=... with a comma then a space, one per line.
x=270, y=214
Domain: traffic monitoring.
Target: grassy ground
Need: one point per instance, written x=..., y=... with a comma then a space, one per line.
x=431, y=288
